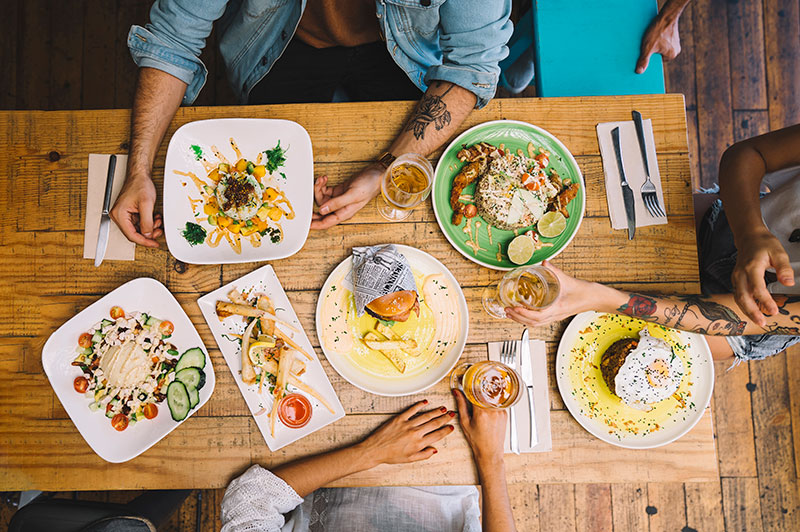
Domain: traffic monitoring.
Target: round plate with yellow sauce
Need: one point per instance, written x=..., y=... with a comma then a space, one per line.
x=605, y=415
x=439, y=332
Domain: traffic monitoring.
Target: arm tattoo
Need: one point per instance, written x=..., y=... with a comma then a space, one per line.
x=431, y=108
x=719, y=318
x=782, y=301
x=639, y=306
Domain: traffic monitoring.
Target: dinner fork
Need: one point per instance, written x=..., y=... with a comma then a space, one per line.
x=648, y=191
x=508, y=356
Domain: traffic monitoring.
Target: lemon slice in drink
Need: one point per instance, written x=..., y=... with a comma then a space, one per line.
x=552, y=224
x=520, y=250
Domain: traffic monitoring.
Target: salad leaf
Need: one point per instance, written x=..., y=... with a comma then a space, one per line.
x=194, y=233
x=276, y=157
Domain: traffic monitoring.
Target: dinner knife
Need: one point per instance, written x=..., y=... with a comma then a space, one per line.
x=637, y=119
x=513, y=437
x=105, y=221
x=627, y=193
x=527, y=378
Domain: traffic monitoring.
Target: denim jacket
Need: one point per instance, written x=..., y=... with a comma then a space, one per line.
x=460, y=41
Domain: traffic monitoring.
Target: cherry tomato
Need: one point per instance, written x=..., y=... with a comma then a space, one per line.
x=117, y=312
x=150, y=410
x=120, y=422
x=85, y=340
x=81, y=384
x=470, y=211
x=166, y=328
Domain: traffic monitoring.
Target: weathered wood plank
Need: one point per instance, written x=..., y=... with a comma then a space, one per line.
x=128, y=13
x=66, y=54
x=713, y=86
x=748, y=124
x=666, y=507
x=230, y=444
x=740, y=504
x=524, y=499
x=9, y=40
x=33, y=76
x=679, y=74
x=772, y=426
x=704, y=507
x=782, y=47
x=98, y=82
x=746, y=45
x=557, y=507
x=733, y=421
x=629, y=505
x=593, y=510
x=793, y=380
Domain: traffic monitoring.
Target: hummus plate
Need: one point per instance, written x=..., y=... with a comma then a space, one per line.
x=440, y=330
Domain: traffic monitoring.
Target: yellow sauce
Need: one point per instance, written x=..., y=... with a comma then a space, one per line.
x=283, y=199
x=472, y=237
x=236, y=149
x=196, y=180
x=219, y=155
x=435, y=330
x=215, y=237
x=596, y=400
x=195, y=203
x=489, y=232
x=499, y=255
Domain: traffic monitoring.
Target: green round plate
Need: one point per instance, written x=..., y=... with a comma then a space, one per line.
x=515, y=135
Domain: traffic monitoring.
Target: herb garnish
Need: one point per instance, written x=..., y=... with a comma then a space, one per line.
x=194, y=233
x=276, y=157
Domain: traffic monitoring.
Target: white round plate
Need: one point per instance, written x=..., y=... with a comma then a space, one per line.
x=381, y=385
x=701, y=385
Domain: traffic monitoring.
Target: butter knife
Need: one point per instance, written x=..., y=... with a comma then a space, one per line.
x=105, y=221
x=527, y=378
x=627, y=193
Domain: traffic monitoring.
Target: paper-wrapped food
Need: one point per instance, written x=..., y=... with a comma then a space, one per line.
x=383, y=283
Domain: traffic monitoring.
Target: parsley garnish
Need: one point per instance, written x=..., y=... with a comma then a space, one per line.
x=194, y=233
x=276, y=157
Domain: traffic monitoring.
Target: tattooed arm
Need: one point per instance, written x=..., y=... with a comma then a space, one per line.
x=717, y=315
x=443, y=108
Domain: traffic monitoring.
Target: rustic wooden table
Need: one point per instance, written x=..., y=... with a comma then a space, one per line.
x=43, y=165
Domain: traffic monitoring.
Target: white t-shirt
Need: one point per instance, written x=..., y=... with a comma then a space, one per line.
x=780, y=210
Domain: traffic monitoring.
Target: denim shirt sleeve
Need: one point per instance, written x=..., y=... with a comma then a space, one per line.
x=174, y=38
x=473, y=46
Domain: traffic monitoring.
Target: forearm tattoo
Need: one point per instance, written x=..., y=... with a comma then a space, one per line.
x=707, y=316
x=431, y=109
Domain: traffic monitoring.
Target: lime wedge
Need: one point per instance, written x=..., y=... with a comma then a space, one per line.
x=551, y=224
x=520, y=250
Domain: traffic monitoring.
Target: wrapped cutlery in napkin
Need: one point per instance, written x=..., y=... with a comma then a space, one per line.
x=541, y=398
x=119, y=247
x=634, y=172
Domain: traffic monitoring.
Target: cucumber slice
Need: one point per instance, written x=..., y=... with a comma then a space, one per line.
x=194, y=395
x=105, y=323
x=152, y=322
x=96, y=337
x=192, y=358
x=178, y=400
x=94, y=407
x=191, y=377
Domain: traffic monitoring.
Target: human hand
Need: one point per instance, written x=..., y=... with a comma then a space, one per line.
x=661, y=37
x=341, y=202
x=133, y=211
x=574, y=297
x=484, y=429
x=756, y=252
x=408, y=437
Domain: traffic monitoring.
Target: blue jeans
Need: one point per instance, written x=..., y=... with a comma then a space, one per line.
x=717, y=260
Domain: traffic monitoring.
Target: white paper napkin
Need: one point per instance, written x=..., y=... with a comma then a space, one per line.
x=541, y=398
x=634, y=172
x=119, y=247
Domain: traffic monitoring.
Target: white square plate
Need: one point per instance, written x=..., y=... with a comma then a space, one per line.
x=252, y=135
x=142, y=295
x=265, y=281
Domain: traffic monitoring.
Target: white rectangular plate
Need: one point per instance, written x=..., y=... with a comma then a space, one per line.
x=142, y=295
x=252, y=135
x=265, y=281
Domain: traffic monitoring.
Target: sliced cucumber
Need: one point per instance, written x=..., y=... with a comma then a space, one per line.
x=87, y=351
x=194, y=396
x=152, y=322
x=192, y=358
x=94, y=407
x=178, y=400
x=191, y=377
x=96, y=337
x=105, y=323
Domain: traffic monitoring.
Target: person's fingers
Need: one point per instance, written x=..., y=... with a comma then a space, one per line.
x=157, y=232
x=146, y=217
x=644, y=60
x=438, y=434
x=758, y=288
x=334, y=218
x=319, y=190
x=461, y=406
x=412, y=410
x=124, y=221
x=424, y=454
x=424, y=417
x=339, y=201
x=526, y=316
x=744, y=298
x=440, y=420
x=783, y=268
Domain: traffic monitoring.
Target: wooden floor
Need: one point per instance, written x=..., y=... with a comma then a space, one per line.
x=740, y=72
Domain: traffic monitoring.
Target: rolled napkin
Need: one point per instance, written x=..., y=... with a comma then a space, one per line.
x=634, y=172
x=379, y=271
x=541, y=398
x=119, y=247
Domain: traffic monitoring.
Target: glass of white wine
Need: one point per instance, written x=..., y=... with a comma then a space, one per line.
x=406, y=183
x=533, y=287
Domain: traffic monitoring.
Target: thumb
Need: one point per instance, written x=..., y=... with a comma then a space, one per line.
x=146, y=218
x=336, y=203
x=644, y=61
x=783, y=269
x=461, y=406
